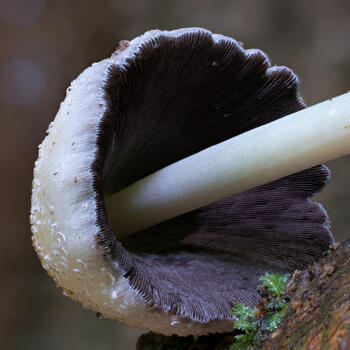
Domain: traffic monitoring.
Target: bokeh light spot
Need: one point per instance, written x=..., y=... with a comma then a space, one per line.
x=22, y=81
x=20, y=12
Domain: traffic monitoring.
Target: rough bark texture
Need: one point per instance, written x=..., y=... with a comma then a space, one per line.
x=318, y=318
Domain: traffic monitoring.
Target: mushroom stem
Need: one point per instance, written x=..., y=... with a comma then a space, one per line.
x=294, y=143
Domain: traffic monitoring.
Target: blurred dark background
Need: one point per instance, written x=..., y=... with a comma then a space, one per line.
x=45, y=44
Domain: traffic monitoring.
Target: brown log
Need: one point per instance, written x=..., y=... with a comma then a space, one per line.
x=318, y=317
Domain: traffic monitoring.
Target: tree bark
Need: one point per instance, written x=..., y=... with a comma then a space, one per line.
x=318, y=316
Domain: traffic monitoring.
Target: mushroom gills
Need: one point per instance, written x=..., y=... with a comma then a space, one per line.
x=159, y=99
x=175, y=97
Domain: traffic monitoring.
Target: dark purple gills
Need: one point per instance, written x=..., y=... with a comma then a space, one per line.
x=176, y=97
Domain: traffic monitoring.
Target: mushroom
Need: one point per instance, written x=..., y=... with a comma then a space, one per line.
x=160, y=98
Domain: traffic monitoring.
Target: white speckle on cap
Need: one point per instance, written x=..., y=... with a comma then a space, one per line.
x=67, y=242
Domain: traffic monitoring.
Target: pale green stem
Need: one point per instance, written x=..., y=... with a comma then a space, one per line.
x=296, y=142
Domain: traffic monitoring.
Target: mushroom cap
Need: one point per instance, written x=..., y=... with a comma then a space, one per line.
x=161, y=97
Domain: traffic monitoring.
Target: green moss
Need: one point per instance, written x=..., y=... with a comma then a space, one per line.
x=275, y=283
x=257, y=325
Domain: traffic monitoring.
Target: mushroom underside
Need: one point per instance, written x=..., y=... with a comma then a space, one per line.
x=173, y=98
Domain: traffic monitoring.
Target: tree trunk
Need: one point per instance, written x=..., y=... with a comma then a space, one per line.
x=318, y=317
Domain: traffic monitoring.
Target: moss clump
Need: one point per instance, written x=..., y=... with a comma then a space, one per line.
x=255, y=323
